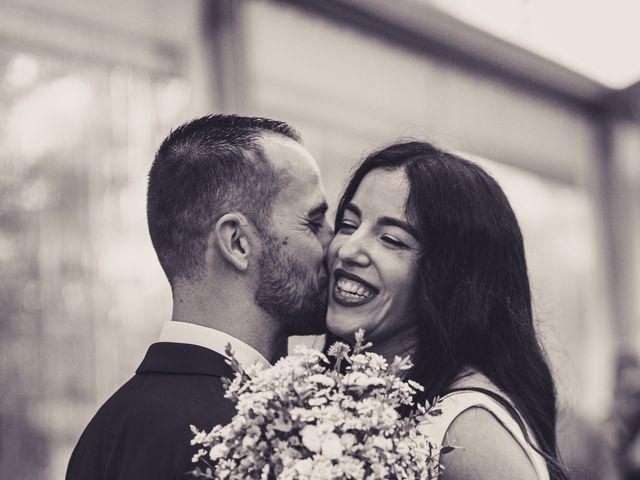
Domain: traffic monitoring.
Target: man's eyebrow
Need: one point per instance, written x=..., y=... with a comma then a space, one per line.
x=318, y=211
x=350, y=206
x=394, y=222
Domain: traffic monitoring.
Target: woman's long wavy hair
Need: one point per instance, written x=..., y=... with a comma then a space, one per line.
x=473, y=295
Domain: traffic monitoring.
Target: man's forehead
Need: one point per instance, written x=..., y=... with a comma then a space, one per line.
x=300, y=204
x=301, y=194
x=288, y=156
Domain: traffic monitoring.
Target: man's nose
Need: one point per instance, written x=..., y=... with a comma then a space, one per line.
x=326, y=235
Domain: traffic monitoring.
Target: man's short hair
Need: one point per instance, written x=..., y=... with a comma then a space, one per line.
x=205, y=168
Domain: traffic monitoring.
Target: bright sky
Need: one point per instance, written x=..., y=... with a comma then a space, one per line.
x=598, y=38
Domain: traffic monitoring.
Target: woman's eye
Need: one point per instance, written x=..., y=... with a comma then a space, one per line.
x=393, y=241
x=346, y=227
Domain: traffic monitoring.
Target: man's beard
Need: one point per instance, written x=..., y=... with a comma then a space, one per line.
x=289, y=292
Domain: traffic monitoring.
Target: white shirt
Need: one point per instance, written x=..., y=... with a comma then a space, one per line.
x=182, y=332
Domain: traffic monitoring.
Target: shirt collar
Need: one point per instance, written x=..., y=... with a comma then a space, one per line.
x=183, y=332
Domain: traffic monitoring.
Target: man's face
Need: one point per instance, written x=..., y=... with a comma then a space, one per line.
x=292, y=284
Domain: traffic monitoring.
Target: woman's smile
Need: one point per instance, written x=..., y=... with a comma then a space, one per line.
x=349, y=290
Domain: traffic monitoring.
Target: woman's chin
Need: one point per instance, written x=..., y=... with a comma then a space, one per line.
x=342, y=326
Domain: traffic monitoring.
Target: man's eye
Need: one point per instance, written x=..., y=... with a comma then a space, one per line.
x=393, y=241
x=314, y=226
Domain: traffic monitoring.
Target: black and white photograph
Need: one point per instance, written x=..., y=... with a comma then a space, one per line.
x=320, y=239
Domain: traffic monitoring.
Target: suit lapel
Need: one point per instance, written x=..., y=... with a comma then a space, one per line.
x=182, y=358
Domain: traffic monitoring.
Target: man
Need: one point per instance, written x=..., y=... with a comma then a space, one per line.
x=236, y=214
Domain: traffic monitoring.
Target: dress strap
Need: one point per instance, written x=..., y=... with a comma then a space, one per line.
x=460, y=400
x=504, y=403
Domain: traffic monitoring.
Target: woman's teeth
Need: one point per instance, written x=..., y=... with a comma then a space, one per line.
x=353, y=289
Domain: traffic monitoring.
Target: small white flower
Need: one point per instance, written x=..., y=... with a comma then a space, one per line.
x=325, y=427
x=415, y=385
x=348, y=440
x=322, y=470
x=311, y=438
x=402, y=448
x=314, y=402
x=338, y=349
x=352, y=468
x=332, y=447
x=304, y=467
x=249, y=441
x=363, y=380
x=325, y=380
x=202, y=452
x=282, y=425
x=383, y=443
x=218, y=451
x=199, y=436
x=380, y=471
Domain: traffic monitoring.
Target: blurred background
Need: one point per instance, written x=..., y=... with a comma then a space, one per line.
x=542, y=93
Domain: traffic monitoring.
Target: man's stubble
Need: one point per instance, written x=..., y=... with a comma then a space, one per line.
x=289, y=291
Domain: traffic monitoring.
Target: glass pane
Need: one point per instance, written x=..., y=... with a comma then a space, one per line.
x=81, y=292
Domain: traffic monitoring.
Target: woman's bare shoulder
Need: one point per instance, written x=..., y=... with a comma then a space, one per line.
x=487, y=449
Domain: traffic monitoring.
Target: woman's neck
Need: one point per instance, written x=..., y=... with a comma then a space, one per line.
x=403, y=344
x=470, y=377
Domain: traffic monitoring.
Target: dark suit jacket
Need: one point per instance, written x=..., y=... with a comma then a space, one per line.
x=142, y=431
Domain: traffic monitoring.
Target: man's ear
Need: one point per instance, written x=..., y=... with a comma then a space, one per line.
x=232, y=237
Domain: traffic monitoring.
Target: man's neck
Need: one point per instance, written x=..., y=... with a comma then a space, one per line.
x=243, y=321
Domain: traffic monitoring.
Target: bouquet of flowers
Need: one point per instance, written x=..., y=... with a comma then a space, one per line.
x=303, y=419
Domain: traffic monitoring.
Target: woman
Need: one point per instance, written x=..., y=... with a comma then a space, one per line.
x=428, y=258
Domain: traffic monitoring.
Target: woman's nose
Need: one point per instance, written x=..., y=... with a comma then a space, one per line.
x=354, y=251
x=325, y=236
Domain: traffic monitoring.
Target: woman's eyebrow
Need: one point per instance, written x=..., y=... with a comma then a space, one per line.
x=353, y=208
x=395, y=222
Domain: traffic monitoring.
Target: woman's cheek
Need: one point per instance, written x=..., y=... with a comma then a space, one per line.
x=332, y=251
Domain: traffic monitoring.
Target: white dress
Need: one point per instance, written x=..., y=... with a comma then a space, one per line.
x=455, y=403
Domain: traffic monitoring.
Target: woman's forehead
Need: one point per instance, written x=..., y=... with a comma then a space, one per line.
x=382, y=191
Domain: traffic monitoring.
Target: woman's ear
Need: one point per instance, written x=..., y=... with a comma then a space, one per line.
x=231, y=236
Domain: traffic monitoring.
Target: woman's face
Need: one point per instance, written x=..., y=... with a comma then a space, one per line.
x=373, y=262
